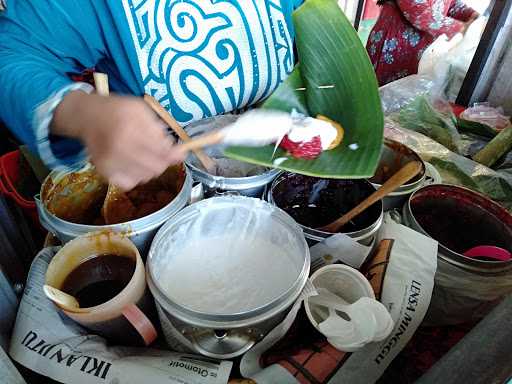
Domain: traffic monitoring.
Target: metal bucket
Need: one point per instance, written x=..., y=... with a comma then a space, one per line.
x=373, y=216
x=251, y=186
x=394, y=156
x=459, y=219
x=140, y=231
x=220, y=333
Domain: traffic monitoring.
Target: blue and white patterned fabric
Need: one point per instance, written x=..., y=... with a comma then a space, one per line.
x=202, y=58
x=199, y=58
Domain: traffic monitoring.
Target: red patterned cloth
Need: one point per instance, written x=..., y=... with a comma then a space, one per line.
x=404, y=30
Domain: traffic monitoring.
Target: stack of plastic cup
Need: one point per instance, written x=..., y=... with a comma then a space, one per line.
x=345, y=309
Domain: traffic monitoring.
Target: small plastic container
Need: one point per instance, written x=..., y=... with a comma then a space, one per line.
x=9, y=177
x=342, y=280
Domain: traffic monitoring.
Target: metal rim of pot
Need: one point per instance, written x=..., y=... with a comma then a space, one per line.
x=237, y=320
x=221, y=182
x=454, y=258
x=315, y=234
x=410, y=186
x=232, y=183
x=130, y=228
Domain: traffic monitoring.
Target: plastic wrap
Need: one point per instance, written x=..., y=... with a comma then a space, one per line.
x=470, y=144
x=454, y=168
x=441, y=71
x=449, y=59
x=401, y=93
x=433, y=117
x=485, y=114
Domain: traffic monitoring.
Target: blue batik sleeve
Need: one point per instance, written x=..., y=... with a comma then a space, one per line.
x=42, y=43
x=288, y=7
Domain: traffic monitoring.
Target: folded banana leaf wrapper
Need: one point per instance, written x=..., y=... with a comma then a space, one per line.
x=334, y=78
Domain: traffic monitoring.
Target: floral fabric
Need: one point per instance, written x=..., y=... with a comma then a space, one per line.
x=404, y=30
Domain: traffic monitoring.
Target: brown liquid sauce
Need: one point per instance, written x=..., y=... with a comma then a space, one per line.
x=99, y=279
x=79, y=197
x=315, y=202
x=76, y=198
x=401, y=156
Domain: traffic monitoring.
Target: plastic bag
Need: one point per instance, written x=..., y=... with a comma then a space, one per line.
x=454, y=168
x=450, y=59
x=485, y=114
x=400, y=93
x=470, y=144
x=432, y=117
x=434, y=58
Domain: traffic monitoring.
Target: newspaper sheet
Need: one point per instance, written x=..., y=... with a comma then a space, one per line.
x=47, y=342
x=406, y=292
x=8, y=371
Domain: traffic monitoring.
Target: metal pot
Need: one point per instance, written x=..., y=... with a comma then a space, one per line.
x=364, y=235
x=224, y=335
x=251, y=186
x=140, y=231
x=451, y=200
x=465, y=288
x=394, y=156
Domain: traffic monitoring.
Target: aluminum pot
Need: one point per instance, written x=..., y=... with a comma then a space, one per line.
x=140, y=231
x=394, y=156
x=365, y=234
x=459, y=219
x=253, y=185
x=225, y=335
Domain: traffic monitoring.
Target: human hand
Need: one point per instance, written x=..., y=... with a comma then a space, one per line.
x=125, y=140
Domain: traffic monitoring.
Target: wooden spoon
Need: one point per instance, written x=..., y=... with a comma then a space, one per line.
x=114, y=194
x=207, y=162
x=62, y=299
x=406, y=173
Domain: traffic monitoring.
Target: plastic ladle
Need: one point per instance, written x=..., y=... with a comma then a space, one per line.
x=361, y=327
x=62, y=299
x=347, y=339
x=384, y=321
x=489, y=252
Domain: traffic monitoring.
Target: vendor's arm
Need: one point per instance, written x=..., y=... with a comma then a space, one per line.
x=42, y=43
x=34, y=62
x=460, y=11
x=426, y=16
x=124, y=138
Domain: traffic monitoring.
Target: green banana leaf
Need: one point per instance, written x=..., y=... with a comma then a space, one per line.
x=421, y=116
x=286, y=97
x=330, y=54
x=476, y=128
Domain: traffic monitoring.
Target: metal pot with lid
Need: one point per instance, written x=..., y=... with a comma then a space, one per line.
x=224, y=272
x=233, y=177
x=314, y=202
x=466, y=288
x=460, y=219
x=394, y=156
x=70, y=202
